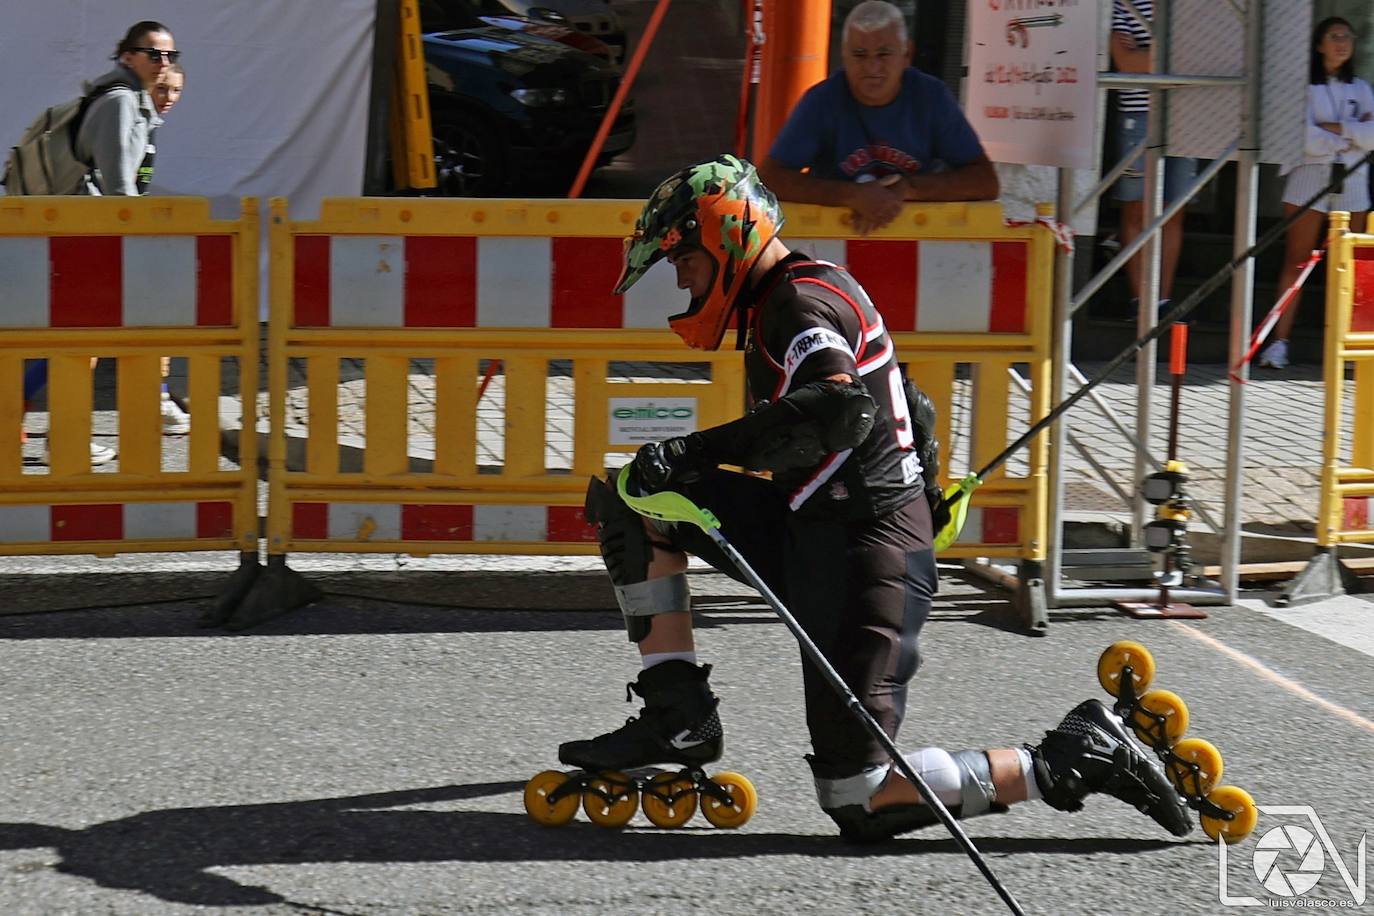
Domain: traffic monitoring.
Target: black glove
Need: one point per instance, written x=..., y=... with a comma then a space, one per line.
x=661, y=465
x=922, y=412
x=939, y=512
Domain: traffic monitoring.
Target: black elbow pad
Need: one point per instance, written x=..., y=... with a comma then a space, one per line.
x=798, y=430
x=843, y=412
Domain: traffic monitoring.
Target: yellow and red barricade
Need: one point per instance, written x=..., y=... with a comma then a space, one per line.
x=1346, y=513
x=135, y=280
x=463, y=285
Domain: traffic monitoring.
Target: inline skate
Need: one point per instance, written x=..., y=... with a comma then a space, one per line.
x=615, y=773
x=1159, y=718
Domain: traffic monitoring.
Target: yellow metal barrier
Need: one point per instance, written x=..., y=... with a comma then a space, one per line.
x=136, y=280
x=1346, y=510
x=503, y=310
x=415, y=137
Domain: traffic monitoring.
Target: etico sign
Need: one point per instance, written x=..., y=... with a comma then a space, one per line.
x=635, y=421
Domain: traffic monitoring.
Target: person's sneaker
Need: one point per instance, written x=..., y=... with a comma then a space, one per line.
x=1275, y=356
x=100, y=454
x=175, y=421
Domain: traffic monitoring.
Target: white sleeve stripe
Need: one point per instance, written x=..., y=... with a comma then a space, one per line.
x=809, y=341
x=878, y=361
x=823, y=473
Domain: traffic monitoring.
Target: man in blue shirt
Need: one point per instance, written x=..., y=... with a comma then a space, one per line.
x=878, y=133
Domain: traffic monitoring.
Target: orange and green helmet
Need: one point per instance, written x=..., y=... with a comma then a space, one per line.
x=720, y=207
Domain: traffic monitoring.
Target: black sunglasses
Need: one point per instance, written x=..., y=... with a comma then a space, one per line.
x=157, y=54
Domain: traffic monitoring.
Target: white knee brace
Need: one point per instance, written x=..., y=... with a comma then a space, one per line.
x=962, y=781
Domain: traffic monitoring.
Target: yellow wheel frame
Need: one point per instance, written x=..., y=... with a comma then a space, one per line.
x=744, y=801
x=669, y=800
x=618, y=807
x=1116, y=657
x=1205, y=755
x=1157, y=703
x=537, y=805
x=1238, y=802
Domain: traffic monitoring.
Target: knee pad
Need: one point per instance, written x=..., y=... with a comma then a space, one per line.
x=834, y=792
x=963, y=781
x=627, y=549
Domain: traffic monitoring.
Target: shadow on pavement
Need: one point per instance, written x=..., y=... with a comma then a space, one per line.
x=335, y=616
x=169, y=854
x=168, y=604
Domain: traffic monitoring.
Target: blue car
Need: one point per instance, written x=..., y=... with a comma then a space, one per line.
x=514, y=114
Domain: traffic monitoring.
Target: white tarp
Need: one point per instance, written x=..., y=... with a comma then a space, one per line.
x=276, y=90
x=1208, y=39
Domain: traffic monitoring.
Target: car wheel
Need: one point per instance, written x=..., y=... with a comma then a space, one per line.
x=467, y=158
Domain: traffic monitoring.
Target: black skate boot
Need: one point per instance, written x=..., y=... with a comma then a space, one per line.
x=678, y=724
x=1092, y=751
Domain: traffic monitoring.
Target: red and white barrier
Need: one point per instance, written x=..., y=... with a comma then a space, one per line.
x=116, y=522
x=550, y=282
x=379, y=522
x=117, y=281
x=991, y=525
x=1357, y=512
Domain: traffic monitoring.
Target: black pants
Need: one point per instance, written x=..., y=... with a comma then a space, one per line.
x=861, y=590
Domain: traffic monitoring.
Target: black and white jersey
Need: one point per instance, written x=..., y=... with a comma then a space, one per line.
x=1133, y=100
x=813, y=321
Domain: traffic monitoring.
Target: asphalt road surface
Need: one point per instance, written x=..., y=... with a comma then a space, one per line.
x=366, y=756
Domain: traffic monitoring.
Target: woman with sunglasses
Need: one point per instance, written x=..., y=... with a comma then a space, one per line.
x=115, y=135
x=120, y=117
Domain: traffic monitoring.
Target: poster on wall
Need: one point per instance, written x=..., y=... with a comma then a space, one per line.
x=1032, y=80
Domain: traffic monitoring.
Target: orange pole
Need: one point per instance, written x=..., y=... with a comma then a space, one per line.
x=1178, y=351
x=621, y=92
x=753, y=34
x=795, y=51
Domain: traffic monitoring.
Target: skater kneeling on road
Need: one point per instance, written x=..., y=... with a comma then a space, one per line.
x=841, y=532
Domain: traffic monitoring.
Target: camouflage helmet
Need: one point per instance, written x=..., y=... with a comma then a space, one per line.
x=720, y=207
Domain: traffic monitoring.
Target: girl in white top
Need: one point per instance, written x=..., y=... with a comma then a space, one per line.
x=1340, y=129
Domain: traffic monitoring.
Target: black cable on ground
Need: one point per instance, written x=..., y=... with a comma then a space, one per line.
x=114, y=606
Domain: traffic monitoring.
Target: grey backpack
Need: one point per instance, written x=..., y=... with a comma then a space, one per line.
x=45, y=160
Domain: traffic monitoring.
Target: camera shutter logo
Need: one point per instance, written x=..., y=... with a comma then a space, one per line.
x=1289, y=860
x=1275, y=853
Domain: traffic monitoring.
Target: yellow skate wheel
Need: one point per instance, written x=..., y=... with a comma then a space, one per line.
x=1238, y=802
x=743, y=801
x=669, y=800
x=538, y=806
x=1205, y=757
x=610, y=800
x=1112, y=663
x=1161, y=717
